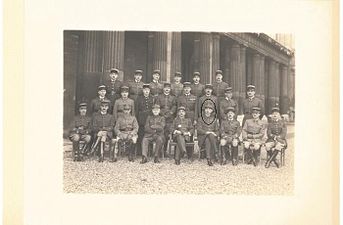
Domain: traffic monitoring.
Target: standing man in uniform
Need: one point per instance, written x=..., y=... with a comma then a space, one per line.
x=253, y=132
x=154, y=132
x=156, y=87
x=103, y=124
x=230, y=130
x=219, y=85
x=177, y=86
x=80, y=131
x=126, y=129
x=208, y=131
x=167, y=103
x=188, y=101
x=226, y=102
x=143, y=107
x=250, y=102
x=113, y=87
x=276, y=132
x=182, y=131
x=95, y=103
x=118, y=108
x=136, y=85
x=197, y=88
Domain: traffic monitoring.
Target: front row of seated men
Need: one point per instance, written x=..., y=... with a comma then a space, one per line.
x=210, y=134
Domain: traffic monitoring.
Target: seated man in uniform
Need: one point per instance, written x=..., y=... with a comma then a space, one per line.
x=230, y=130
x=276, y=133
x=103, y=124
x=124, y=100
x=177, y=86
x=154, y=132
x=95, y=103
x=208, y=131
x=80, y=130
x=182, y=131
x=126, y=129
x=253, y=132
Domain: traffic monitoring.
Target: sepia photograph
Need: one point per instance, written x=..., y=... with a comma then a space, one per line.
x=149, y=112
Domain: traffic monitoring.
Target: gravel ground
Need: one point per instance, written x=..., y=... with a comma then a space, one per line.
x=125, y=177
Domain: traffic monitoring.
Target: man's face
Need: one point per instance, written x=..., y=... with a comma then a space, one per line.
x=230, y=115
x=166, y=90
x=228, y=94
x=155, y=111
x=113, y=75
x=251, y=92
x=83, y=110
x=156, y=76
x=208, y=91
x=102, y=93
x=124, y=94
x=219, y=77
x=275, y=115
x=208, y=111
x=146, y=91
x=104, y=107
x=138, y=77
x=196, y=79
x=182, y=113
x=255, y=114
x=177, y=79
x=187, y=90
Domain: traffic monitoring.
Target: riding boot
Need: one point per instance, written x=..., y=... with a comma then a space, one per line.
x=144, y=160
x=101, y=157
x=234, y=155
x=276, y=152
x=116, y=149
x=272, y=158
x=112, y=153
x=75, y=150
x=255, y=157
x=132, y=147
x=223, y=159
x=209, y=162
x=84, y=149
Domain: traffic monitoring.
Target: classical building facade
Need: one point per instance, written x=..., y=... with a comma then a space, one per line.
x=244, y=58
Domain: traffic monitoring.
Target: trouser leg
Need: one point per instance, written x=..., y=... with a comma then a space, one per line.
x=75, y=152
x=159, y=145
x=145, y=147
x=181, y=146
x=213, y=141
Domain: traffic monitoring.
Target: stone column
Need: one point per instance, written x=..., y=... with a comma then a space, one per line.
x=256, y=72
x=205, y=57
x=160, y=53
x=215, y=54
x=114, y=45
x=148, y=74
x=262, y=78
x=284, y=100
x=249, y=66
x=243, y=84
x=226, y=69
x=273, y=85
x=235, y=71
x=175, y=53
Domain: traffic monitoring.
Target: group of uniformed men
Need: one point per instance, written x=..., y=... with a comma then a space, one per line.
x=133, y=115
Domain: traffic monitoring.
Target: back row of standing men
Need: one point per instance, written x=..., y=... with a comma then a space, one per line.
x=140, y=100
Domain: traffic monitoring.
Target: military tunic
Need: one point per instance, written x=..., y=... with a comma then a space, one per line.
x=127, y=125
x=103, y=122
x=219, y=88
x=208, y=124
x=277, y=130
x=176, y=89
x=230, y=129
x=190, y=103
x=156, y=88
x=253, y=130
x=154, y=131
x=197, y=89
x=136, y=89
x=168, y=106
x=208, y=99
x=143, y=108
x=248, y=104
x=184, y=125
x=113, y=90
x=119, y=107
x=95, y=105
x=224, y=104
